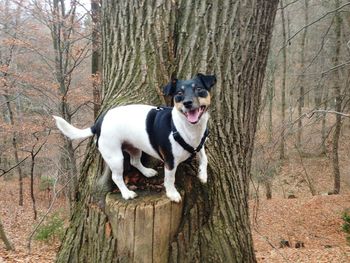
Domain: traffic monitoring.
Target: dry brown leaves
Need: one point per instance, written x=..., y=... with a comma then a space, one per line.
x=18, y=223
x=316, y=222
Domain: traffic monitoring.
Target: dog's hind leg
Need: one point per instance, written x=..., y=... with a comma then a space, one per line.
x=135, y=160
x=115, y=163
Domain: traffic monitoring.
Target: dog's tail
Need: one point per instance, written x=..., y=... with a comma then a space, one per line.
x=70, y=131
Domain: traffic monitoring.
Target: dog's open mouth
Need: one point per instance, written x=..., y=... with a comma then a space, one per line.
x=193, y=116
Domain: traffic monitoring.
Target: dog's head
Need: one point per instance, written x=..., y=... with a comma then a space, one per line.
x=191, y=97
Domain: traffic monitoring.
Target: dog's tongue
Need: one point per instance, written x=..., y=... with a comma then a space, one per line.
x=193, y=115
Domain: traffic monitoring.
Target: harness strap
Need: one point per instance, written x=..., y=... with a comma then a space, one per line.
x=185, y=145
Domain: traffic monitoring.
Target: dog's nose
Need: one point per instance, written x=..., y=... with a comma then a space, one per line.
x=188, y=104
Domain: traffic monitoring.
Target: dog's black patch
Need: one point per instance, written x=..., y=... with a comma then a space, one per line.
x=96, y=128
x=158, y=126
x=180, y=89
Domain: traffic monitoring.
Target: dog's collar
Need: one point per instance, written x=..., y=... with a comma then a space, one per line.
x=185, y=145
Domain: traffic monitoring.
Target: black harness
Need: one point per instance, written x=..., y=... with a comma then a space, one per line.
x=185, y=145
x=181, y=141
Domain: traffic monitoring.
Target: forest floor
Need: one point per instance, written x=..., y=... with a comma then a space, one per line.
x=19, y=223
x=311, y=222
x=311, y=226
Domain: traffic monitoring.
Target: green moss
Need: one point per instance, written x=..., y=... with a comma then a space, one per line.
x=52, y=228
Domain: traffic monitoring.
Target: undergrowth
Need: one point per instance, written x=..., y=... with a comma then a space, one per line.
x=52, y=228
x=346, y=225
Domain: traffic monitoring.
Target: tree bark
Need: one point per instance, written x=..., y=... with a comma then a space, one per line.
x=338, y=103
x=15, y=149
x=96, y=54
x=324, y=126
x=283, y=88
x=302, y=94
x=146, y=42
x=62, y=31
x=4, y=238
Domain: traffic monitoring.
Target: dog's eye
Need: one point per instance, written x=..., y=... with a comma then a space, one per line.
x=202, y=93
x=179, y=97
x=180, y=93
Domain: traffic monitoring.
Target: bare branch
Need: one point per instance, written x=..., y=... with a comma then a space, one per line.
x=335, y=67
x=285, y=6
x=310, y=114
x=3, y=172
x=313, y=22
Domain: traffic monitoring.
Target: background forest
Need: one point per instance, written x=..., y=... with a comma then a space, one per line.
x=300, y=184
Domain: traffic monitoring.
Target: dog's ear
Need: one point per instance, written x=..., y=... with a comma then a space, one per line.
x=207, y=80
x=170, y=88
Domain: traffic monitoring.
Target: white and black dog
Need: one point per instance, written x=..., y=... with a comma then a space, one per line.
x=170, y=134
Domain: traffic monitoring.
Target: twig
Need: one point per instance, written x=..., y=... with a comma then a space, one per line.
x=307, y=177
x=285, y=6
x=313, y=22
x=14, y=98
x=335, y=68
x=13, y=167
x=310, y=114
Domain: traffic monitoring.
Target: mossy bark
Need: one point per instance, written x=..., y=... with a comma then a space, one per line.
x=144, y=43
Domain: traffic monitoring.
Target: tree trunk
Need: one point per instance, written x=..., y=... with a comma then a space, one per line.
x=338, y=103
x=62, y=30
x=302, y=94
x=15, y=149
x=96, y=54
x=283, y=88
x=4, y=238
x=32, y=166
x=268, y=189
x=144, y=43
x=270, y=96
x=324, y=125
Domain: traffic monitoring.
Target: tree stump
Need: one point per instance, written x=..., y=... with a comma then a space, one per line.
x=143, y=227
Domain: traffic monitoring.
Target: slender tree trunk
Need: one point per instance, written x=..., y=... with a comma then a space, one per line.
x=283, y=88
x=338, y=102
x=268, y=188
x=324, y=125
x=62, y=28
x=15, y=149
x=144, y=43
x=32, y=165
x=4, y=238
x=96, y=54
x=301, y=101
x=270, y=96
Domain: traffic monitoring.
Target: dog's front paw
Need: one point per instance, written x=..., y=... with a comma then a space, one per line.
x=174, y=196
x=150, y=172
x=203, y=176
x=129, y=195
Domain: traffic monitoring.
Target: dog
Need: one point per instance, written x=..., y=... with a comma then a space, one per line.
x=171, y=134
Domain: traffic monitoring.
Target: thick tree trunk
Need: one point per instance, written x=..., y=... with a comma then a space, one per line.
x=144, y=43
